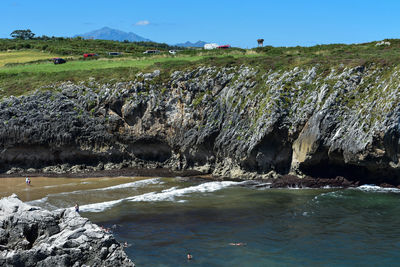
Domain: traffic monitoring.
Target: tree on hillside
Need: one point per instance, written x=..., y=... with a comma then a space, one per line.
x=22, y=34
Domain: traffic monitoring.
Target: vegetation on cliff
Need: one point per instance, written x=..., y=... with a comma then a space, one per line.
x=37, y=70
x=78, y=46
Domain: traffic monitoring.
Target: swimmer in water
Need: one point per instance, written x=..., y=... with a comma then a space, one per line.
x=76, y=207
x=189, y=256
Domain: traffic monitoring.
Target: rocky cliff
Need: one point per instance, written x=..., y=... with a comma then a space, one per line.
x=30, y=236
x=238, y=122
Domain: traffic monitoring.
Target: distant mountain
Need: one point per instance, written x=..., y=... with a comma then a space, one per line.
x=107, y=33
x=189, y=44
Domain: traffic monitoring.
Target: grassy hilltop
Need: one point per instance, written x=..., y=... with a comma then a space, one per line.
x=26, y=64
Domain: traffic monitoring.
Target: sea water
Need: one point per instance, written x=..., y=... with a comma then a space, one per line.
x=162, y=219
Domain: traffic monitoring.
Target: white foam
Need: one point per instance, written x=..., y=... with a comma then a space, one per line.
x=42, y=203
x=296, y=187
x=37, y=201
x=98, y=207
x=136, y=184
x=332, y=194
x=377, y=189
x=140, y=183
x=170, y=189
x=165, y=195
x=171, y=193
x=58, y=185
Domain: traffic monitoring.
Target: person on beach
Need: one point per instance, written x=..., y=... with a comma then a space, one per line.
x=27, y=181
x=189, y=256
x=76, y=207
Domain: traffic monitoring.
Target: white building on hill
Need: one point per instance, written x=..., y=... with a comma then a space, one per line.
x=210, y=46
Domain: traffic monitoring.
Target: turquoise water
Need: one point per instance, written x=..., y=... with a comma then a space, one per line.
x=163, y=219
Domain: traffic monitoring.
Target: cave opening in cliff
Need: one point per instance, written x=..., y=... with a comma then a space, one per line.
x=150, y=149
x=203, y=152
x=272, y=153
x=329, y=169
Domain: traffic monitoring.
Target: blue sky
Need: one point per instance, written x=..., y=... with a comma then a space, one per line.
x=239, y=23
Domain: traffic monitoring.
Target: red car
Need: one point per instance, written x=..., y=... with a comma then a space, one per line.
x=224, y=46
x=90, y=55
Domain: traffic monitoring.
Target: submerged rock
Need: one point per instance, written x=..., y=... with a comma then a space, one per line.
x=31, y=236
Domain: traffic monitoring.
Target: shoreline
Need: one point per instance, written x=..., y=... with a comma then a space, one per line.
x=126, y=172
x=281, y=181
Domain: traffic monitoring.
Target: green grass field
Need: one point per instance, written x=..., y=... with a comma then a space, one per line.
x=77, y=46
x=21, y=79
x=26, y=56
x=81, y=65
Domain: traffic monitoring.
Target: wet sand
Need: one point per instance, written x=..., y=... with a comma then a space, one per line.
x=51, y=183
x=42, y=186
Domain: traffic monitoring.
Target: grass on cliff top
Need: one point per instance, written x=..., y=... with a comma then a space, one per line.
x=21, y=57
x=87, y=65
x=78, y=46
x=20, y=79
x=23, y=78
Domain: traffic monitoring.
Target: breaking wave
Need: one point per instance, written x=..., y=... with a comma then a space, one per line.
x=171, y=193
x=165, y=195
x=99, y=207
x=37, y=201
x=342, y=194
x=377, y=189
x=136, y=184
x=140, y=183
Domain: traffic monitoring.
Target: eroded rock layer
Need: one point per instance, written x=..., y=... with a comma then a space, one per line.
x=238, y=122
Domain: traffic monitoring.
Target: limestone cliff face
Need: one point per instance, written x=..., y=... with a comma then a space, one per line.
x=236, y=122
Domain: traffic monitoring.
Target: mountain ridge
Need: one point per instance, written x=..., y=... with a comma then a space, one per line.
x=107, y=33
x=190, y=44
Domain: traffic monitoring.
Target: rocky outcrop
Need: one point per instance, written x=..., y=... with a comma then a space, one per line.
x=237, y=122
x=31, y=236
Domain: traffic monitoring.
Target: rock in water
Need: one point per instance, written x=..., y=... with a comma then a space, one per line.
x=31, y=236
